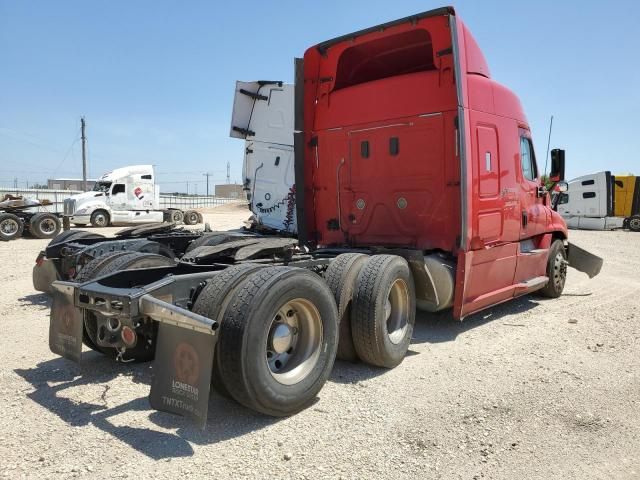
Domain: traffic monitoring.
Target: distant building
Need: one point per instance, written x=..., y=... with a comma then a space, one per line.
x=230, y=190
x=68, y=184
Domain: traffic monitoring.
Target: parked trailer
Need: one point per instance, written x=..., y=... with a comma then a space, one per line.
x=416, y=187
x=17, y=217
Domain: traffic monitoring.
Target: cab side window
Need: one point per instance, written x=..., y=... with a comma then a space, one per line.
x=527, y=159
x=118, y=188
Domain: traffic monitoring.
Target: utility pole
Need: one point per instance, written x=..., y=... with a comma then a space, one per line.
x=84, y=154
x=207, y=175
x=228, y=173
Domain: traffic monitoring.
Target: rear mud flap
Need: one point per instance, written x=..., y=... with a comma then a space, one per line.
x=182, y=372
x=65, y=325
x=584, y=261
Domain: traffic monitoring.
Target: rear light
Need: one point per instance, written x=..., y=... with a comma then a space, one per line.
x=128, y=336
x=40, y=259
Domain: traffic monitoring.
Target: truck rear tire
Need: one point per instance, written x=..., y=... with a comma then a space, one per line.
x=383, y=311
x=556, y=270
x=341, y=278
x=143, y=351
x=191, y=217
x=176, y=216
x=11, y=227
x=44, y=225
x=212, y=302
x=100, y=219
x=634, y=223
x=278, y=340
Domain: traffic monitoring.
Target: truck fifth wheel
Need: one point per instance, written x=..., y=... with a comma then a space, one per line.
x=416, y=187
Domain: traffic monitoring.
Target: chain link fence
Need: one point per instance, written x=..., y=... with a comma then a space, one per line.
x=56, y=197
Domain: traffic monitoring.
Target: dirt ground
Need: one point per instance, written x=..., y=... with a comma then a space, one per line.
x=532, y=389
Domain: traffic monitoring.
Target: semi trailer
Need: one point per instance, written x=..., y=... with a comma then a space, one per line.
x=127, y=195
x=416, y=186
x=601, y=201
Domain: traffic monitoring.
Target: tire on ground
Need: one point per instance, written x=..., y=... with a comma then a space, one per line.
x=44, y=225
x=100, y=218
x=383, y=311
x=556, y=270
x=341, y=278
x=212, y=303
x=191, y=217
x=634, y=223
x=11, y=227
x=176, y=216
x=254, y=338
x=143, y=351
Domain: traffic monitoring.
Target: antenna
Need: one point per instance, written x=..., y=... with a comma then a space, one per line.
x=546, y=158
x=228, y=173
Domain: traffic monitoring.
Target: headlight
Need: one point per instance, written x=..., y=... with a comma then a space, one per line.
x=81, y=211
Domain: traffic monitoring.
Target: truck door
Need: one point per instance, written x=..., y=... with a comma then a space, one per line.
x=118, y=197
x=533, y=215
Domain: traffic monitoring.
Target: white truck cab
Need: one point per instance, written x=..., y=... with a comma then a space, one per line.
x=122, y=196
x=263, y=116
x=588, y=203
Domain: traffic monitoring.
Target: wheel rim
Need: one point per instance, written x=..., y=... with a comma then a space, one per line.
x=47, y=226
x=294, y=341
x=9, y=226
x=559, y=270
x=634, y=224
x=396, y=309
x=100, y=219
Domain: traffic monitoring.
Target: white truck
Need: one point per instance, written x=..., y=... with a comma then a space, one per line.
x=123, y=196
x=263, y=115
x=596, y=202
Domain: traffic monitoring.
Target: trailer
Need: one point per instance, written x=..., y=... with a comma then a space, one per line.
x=416, y=186
x=602, y=201
x=17, y=217
x=126, y=195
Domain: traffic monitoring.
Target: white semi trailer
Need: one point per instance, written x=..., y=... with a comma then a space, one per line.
x=127, y=195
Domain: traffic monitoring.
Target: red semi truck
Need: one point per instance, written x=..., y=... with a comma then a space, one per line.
x=417, y=187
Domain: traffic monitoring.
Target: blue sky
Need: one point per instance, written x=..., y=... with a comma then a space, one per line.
x=155, y=79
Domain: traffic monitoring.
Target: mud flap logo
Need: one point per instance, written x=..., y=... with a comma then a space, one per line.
x=65, y=328
x=182, y=372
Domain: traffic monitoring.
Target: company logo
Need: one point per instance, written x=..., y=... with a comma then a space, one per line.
x=138, y=193
x=186, y=365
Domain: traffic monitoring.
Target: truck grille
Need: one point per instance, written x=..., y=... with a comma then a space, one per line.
x=69, y=206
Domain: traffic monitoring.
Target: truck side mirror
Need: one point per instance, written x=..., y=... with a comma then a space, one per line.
x=557, y=165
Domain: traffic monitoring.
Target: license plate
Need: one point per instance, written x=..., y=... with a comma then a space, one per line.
x=65, y=327
x=182, y=372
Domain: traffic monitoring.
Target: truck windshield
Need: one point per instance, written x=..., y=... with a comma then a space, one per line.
x=101, y=187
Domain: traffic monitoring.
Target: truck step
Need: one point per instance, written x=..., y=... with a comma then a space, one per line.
x=531, y=285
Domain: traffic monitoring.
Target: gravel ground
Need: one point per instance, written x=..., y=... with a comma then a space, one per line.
x=531, y=389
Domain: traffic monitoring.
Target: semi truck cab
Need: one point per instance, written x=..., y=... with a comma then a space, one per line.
x=122, y=196
x=408, y=142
